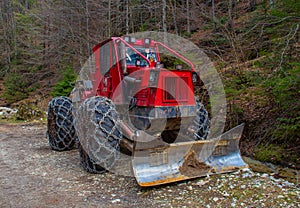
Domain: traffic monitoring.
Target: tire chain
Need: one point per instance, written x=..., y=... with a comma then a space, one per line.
x=87, y=163
x=96, y=124
x=60, y=129
x=201, y=122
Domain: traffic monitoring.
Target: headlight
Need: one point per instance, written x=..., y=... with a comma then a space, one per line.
x=153, y=78
x=147, y=41
x=126, y=38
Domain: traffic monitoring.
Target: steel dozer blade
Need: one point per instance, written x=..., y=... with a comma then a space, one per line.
x=156, y=163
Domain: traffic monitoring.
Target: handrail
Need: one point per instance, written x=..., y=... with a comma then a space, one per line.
x=178, y=55
x=139, y=53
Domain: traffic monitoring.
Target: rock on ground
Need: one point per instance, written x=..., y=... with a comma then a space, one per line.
x=31, y=175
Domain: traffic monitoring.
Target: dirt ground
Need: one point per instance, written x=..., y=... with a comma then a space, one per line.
x=31, y=175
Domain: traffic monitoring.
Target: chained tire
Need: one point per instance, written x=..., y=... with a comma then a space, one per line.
x=96, y=126
x=60, y=127
x=201, y=122
x=87, y=163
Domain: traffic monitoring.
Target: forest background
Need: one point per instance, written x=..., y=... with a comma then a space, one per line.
x=254, y=45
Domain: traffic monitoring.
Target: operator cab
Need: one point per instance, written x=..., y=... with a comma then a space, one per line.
x=134, y=59
x=140, y=52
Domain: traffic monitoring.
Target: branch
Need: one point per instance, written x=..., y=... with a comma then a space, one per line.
x=287, y=44
x=268, y=24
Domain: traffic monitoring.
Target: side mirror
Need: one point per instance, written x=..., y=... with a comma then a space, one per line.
x=196, y=79
x=159, y=65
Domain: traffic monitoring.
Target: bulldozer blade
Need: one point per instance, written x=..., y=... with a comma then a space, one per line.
x=168, y=163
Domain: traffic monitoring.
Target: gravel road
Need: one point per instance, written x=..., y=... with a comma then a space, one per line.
x=31, y=175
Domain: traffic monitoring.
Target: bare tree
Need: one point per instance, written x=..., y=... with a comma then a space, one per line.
x=213, y=14
x=109, y=17
x=188, y=17
x=230, y=26
x=173, y=8
x=127, y=16
x=8, y=30
x=164, y=14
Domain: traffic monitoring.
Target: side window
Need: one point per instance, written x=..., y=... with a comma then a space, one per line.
x=122, y=55
x=113, y=53
x=105, y=58
x=131, y=56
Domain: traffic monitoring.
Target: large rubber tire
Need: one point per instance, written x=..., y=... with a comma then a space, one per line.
x=87, y=163
x=201, y=122
x=169, y=136
x=60, y=128
x=97, y=130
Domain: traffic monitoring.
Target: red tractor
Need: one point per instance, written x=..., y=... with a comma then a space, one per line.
x=127, y=104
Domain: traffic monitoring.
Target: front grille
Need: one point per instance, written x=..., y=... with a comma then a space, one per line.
x=175, y=89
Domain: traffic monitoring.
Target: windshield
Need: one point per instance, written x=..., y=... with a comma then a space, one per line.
x=132, y=56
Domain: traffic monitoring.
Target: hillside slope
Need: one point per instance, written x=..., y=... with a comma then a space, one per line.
x=259, y=63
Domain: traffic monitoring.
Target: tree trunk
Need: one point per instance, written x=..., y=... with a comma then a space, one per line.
x=109, y=18
x=127, y=17
x=87, y=26
x=173, y=6
x=230, y=26
x=213, y=14
x=164, y=20
x=188, y=16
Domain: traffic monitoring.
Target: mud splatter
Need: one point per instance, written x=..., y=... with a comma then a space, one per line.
x=192, y=166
